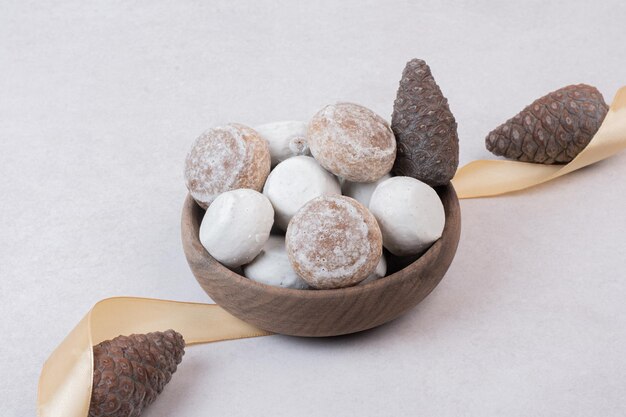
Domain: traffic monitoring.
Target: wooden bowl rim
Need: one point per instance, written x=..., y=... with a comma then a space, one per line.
x=447, y=195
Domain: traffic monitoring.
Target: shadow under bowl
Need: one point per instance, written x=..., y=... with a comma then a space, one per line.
x=316, y=313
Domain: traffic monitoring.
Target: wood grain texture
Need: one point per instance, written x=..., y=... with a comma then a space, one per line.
x=316, y=313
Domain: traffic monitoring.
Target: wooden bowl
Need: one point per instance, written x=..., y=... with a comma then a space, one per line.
x=324, y=312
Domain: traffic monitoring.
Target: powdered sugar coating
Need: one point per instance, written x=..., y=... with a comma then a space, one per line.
x=362, y=191
x=272, y=266
x=285, y=139
x=333, y=242
x=410, y=214
x=352, y=142
x=226, y=158
x=236, y=226
x=294, y=182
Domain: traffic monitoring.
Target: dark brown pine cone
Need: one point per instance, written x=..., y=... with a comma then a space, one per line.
x=131, y=371
x=553, y=129
x=425, y=129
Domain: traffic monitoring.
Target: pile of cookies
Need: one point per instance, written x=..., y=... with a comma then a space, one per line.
x=312, y=205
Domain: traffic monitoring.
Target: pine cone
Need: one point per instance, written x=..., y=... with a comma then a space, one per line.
x=553, y=129
x=425, y=129
x=130, y=371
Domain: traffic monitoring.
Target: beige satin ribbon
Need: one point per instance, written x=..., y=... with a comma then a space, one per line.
x=66, y=378
x=65, y=381
x=488, y=178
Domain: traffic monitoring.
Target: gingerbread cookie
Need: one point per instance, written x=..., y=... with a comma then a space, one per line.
x=226, y=158
x=352, y=142
x=333, y=242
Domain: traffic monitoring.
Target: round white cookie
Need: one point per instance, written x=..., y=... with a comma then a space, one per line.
x=410, y=215
x=285, y=139
x=294, y=182
x=379, y=272
x=236, y=226
x=272, y=266
x=362, y=191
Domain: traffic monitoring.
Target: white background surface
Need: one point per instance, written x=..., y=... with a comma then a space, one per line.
x=100, y=101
